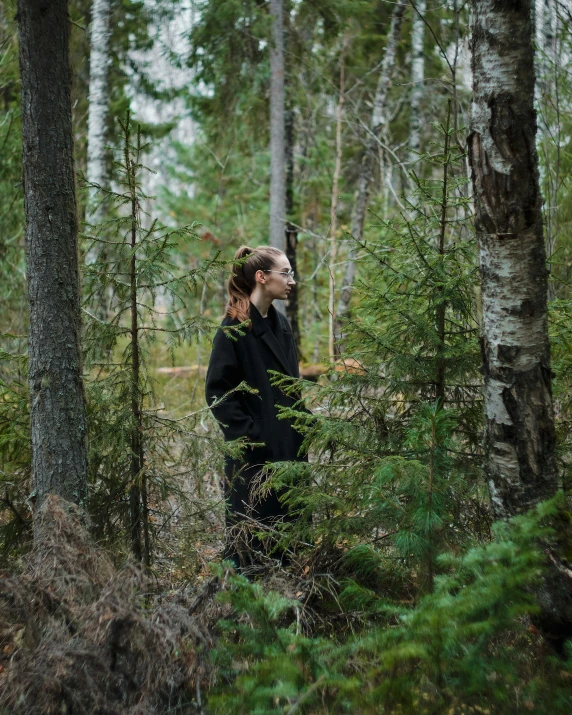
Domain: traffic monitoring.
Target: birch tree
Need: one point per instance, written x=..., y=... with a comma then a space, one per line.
x=519, y=426
x=58, y=423
x=417, y=77
x=547, y=97
x=99, y=60
x=277, y=166
x=368, y=160
x=334, y=205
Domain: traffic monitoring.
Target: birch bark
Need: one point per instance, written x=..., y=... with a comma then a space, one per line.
x=277, y=183
x=368, y=159
x=57, y=407
x=520, y=459
x=520, y=466
x=334, y=205
x=98, y=100
x=417, y=78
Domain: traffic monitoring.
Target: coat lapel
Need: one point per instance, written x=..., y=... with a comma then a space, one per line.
x=261, y=330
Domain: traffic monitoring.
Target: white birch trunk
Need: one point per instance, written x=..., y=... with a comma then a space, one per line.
x=367, y=166
x=520, y=462
x=99, y=61
x=417, y=78
x=277, y=183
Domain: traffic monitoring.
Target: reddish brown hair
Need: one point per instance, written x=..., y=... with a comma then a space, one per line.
x=242, y=279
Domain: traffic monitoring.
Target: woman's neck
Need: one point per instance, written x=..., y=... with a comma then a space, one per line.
x=260, y=301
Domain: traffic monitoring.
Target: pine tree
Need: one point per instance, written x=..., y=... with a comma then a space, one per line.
x=397, y=436
x=132, y=445
x=466, y=647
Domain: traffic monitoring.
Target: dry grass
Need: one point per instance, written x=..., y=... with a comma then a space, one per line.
x=79, y=636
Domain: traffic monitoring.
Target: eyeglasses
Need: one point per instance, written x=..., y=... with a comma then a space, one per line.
x=286, y=274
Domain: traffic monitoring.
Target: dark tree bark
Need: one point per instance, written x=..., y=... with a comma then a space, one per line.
x=59, y=461
x=291, y=229
x=519, y=432
x=137, y=453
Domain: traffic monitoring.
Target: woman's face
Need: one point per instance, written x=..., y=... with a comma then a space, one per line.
x=277, y=281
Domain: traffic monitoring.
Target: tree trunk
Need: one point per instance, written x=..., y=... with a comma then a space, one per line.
x=519, y=432
x=291, y=229
x=504, y=164
x=98, y=101
x=368, y=160
x=417, y=78
x=58, y=423
x=441, y=305
x=136, y=415
x=334, y=206
x=138, y=498
x=546, y=64
x=277, y=184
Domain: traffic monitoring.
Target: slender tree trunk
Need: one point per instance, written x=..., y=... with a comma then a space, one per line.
x=368, y=160
x=136, y=442
x=99, y=60
x=417, y=78
x=334, y=205
x=291, y=229
x=277, y=184
x=59, y=457
x=546, y=65
x=431, y=535
x=519, y=432
x=138, y=489
x=277, y=153
x=442, y=306
x=98, y=102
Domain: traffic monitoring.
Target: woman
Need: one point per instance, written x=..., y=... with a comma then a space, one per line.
x=259, y=276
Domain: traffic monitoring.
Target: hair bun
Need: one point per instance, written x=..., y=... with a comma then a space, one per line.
x=242, y=252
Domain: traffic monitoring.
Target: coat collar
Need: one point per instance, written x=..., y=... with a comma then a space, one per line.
x=261, y=329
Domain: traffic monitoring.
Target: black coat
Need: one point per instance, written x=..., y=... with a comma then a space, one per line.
x=248, y=358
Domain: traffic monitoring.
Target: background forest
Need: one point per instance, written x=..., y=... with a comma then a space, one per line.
x=429, y=568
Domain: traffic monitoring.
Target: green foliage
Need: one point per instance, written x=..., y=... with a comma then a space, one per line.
x=14, y=416
x=15, y=455
x=461, y=643
x=560, y=326
x=137, y=292
x=554, y=97
x=265, y=663
x=397, y=435
x=467, y=647
x=12, y=279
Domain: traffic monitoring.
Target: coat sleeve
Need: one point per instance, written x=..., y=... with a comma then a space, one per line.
x=224, y=375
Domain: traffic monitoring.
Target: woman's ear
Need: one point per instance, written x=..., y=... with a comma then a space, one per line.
x=260, y=277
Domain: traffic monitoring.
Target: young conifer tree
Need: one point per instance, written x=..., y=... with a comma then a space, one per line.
x=465, y=647
x=134, y=448
x=397, y=436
